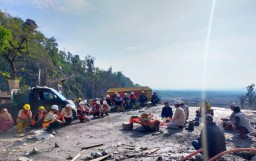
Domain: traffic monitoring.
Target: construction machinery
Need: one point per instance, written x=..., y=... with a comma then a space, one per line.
x=146, y=120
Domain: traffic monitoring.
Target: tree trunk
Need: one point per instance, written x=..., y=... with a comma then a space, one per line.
x=13, y=67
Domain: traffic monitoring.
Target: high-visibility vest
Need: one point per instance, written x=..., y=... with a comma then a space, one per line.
x=47, y=122
x=40, y=115
x=24, y=115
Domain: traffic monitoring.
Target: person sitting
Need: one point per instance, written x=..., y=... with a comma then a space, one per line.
x=67, y=113
x=96, y=110
x=227, y=123
x=6, y=121
x=132, y=99
x=105, y=108
x=242, y=124
x=126, y=101
x=186, y=109
x=204, y=107
x=109, y=101
x=166, y=111
x=143, y=99
x=178, y=120
x=82, y=112
x=214, y=139
x=52, y=120
x=38, y=118
x=155, y=99
x=24, y=118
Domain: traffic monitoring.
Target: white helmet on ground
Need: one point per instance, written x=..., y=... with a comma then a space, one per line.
x=54, y=107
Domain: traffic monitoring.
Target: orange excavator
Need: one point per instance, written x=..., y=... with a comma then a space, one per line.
x=147, y=121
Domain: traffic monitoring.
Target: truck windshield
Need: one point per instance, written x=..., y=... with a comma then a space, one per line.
x=58, y=94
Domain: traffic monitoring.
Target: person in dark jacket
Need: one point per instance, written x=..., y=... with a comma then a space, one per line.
x=154, y=99
x=166, y=111
x=143, y=99
x=215, y=139
x=109, y=101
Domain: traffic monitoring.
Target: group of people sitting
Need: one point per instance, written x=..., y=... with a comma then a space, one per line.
x=128, y=101
x=211, y=133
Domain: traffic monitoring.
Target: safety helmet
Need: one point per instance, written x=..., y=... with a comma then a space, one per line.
x=142, y=91
x=85, y=101
x=68, y=105
x=107, y=95
x=26, y=107
x=118, y=95
x=79, y=99
x=125, y=94
x=105, y=102
x=132, y=92
x=41, y=108
x=81, y=103
x=54, y=107
x=98, y=102
x=177, y=102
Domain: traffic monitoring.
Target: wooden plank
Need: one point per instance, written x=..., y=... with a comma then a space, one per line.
x=151, y=151
x=78, y=155
x=92, y=146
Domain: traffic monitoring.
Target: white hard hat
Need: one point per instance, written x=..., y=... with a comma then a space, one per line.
x=105, y=102
x=54, y=107
x=85, y=101
x=98, y=102
x=125, y=94
x=107, y=95
x=81, y=103
x=118, y=95
x=177, y=102
x=132, y=92
x=69, y=105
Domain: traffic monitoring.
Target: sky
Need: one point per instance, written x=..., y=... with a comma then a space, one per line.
x=160, y=44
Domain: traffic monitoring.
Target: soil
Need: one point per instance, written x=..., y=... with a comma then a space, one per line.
x=122, y=145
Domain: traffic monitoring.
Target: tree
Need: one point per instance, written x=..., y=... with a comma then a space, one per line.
x=17, y=45
x=249, y=99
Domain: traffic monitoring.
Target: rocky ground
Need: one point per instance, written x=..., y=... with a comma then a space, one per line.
x=122, y=145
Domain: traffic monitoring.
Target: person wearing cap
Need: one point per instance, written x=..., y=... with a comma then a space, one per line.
x=154, y=99
x=118, y=102
x=186, y=109
x=166, y=111
x=214, y=136
x=24, y=118
x=228, y=122
x=52, y=120
x=204, y=107
x=105, y=108
x=126, y=101
x=96, y=110
x=67, y=113
x=178, y=120
x=108, y=99
x=82, y=112
x=132, y=99
x=143, y=99
x=38, y=118
x=241, y=124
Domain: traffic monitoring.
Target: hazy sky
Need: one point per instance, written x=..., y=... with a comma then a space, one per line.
x=158, y=43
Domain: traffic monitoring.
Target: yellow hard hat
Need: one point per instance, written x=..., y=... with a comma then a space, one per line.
x=26, y=107
x=79, y=99
x=41, y=107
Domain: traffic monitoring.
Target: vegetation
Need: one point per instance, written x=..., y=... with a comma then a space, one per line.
x=26, y=54
x=249, y=99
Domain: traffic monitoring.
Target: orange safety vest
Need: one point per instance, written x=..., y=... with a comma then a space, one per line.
x=24, y=115
x=46, y=122
x=40, y=115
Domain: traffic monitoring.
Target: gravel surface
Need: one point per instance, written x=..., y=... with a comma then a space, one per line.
x=122, y=145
